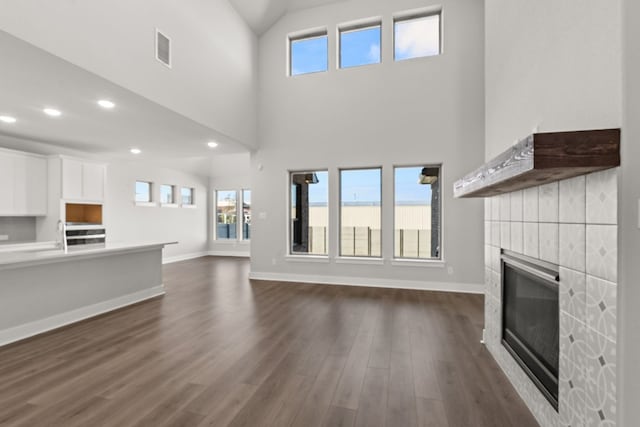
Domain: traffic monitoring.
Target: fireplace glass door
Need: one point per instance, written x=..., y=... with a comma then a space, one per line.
x=531, y=320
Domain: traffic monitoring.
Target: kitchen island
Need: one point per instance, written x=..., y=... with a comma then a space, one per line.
x=41, y=290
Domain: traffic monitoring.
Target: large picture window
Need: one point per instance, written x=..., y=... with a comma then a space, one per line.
x=226, y=215
x=417, y=212
x=360, y=212
x=309, y=212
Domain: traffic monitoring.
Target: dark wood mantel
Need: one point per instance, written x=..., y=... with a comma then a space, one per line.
x=541, y=158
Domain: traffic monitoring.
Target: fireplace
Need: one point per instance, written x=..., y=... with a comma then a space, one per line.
x=530, y=327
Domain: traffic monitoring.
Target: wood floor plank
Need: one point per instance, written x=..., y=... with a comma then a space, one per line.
x=373, y=400
x=221, y=350
x=340, y=417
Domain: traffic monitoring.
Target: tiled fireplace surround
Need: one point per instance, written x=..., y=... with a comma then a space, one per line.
x=572, y=223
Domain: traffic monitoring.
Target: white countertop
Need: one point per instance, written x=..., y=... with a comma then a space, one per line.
x=36, y=256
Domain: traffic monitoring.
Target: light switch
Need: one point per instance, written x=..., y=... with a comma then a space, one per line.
x=262, y=215
x=4, y=237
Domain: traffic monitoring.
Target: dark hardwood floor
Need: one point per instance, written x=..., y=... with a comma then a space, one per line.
x=219, y=350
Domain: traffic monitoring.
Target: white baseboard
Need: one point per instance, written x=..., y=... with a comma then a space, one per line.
x=241, y=254
x=178, y=258
x=468, y=288
x=37, y=327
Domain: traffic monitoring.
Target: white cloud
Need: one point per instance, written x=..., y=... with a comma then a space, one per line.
x=374, y=52
x=418, y=37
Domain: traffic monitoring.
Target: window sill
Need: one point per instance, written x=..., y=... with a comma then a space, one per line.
x=227, y=241
x=169, y=205
x=359, y=260
x=430, y=263
x=146, y=204
x=307, y=258
x=188, y=206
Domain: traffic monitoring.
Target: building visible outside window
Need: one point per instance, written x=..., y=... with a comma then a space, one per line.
x=226, y=215
x=360, y=212
x=143, y=191
x=309, y=212
x=187, y=197
x=417, y=36
x=360, y=46
x=308, y=54
x=246, y=214
x=166, y=194
x=417, y=212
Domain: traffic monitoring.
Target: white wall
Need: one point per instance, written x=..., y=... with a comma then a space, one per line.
x=426, y=110
x=213, y=78
x=629, y=291
x=550, y=64
x=127, y=222
x=228, y=172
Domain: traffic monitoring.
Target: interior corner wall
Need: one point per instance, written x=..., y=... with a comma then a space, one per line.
x=228, y=172
x=552, y=66
x=126, y=222
x=629, y=294
x=414, y=112
x=213, y=78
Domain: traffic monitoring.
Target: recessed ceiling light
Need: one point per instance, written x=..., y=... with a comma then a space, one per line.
x=136, y=151
x=212, y=144
x=106, y=104
x=52, y=112
x=7, y=119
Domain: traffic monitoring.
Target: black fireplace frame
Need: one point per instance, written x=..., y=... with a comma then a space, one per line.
x=547, y=274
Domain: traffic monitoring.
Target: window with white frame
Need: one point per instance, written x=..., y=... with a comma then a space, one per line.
x=143, y=192
x=417, y=212
x=167, y=194
x=309, y=212
x=226, y=215
x=417, y=36
x=308, y=54
x=361, y=212
x=360, y=45
x=187, y=196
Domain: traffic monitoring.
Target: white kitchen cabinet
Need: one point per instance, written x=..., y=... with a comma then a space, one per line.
x=93, y=181
x=23, y=184
x=72, y=179
x=6, y=184
x=30, y=197
x=83, y=181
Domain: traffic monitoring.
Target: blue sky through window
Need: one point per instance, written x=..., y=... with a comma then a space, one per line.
x=309, y=55
x=360, y=186
x=417, y=37
x=363, y=186
x=319, y=192
x=407, y=190
x=360, y=47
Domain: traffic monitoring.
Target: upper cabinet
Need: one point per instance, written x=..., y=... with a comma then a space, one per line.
x=23, y=184
x=83, y=180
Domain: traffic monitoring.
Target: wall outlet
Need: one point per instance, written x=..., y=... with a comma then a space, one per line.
x=4, y=237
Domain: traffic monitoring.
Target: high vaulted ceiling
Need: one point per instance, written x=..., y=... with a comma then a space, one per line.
x=32, y=79
x=262, y=14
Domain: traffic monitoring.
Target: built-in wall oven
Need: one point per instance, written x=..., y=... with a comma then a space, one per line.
x=85, y=234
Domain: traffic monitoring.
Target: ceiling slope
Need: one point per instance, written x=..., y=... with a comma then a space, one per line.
x=260, y=15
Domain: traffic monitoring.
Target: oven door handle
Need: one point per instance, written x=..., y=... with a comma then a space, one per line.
x=535, y=272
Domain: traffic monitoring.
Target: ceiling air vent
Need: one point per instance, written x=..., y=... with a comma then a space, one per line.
x=163, y=48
